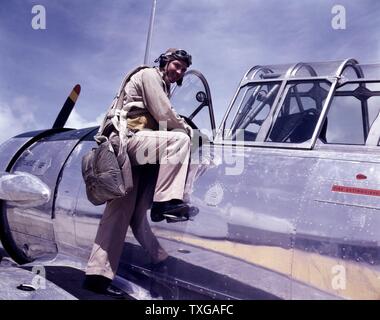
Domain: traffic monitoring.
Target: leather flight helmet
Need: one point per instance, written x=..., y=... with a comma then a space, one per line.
x=174, y=54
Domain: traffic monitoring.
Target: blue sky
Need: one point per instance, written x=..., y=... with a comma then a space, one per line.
x=95, y=42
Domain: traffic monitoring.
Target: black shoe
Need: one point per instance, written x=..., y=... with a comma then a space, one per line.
x=155, y=215
x=96, y=283
x=192, y=212
x=172, y=218
x=170, y=210
x=102, y=285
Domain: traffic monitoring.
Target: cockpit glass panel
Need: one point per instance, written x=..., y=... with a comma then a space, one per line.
x=300, y=111
x=250, y=109
x=369, y=71
x=184, y=98
x=265, y=72
x=373, y=102
x=299, y=70
x=344, y=121
x=353, y=111
x=321, y=69
x=352, y=72
x=191, y=100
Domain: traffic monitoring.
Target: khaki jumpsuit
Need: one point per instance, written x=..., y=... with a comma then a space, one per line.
x=169, y=148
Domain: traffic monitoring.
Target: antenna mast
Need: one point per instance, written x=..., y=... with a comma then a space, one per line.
x=150, y=31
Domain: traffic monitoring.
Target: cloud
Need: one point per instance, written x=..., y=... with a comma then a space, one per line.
x=77, y=121
x=14, y=119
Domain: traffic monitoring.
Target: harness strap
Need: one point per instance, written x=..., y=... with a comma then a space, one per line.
x=114, y=110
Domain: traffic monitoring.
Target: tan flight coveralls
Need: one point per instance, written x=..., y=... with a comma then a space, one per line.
x=148, y=98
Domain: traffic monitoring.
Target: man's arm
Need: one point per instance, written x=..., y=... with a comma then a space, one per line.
x=158, y=104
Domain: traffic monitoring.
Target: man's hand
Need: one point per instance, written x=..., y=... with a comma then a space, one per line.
x=189, y=131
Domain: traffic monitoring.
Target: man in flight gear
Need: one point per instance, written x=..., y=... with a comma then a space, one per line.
x=158, y=135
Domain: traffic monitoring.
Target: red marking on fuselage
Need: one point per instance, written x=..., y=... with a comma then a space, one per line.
x=355, y=190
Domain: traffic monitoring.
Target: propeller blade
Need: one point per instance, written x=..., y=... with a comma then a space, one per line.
x=68, y=106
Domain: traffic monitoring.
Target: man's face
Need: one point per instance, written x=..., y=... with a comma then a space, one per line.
x=175, y=70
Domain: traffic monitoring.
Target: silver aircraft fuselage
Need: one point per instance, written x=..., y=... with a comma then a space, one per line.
x=288, y=190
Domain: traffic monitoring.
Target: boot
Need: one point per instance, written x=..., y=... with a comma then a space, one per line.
x=172, y=210
x=102, y=285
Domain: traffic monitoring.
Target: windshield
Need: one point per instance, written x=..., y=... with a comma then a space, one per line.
x=250, y=109
x=193, y=101
x=352, y=114
x=300, y=111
